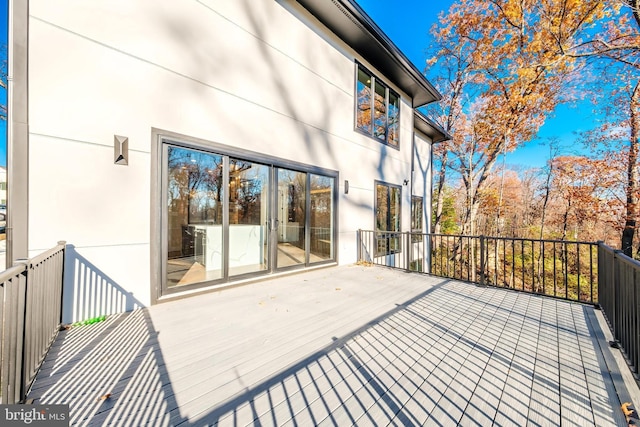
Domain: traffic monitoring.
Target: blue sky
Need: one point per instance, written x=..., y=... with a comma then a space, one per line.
x=407, y=23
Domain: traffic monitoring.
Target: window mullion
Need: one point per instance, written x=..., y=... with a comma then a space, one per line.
x=373, y=105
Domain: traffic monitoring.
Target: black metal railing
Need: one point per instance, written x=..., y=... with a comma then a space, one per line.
x=561, y=269
x=577, y=271
x=620, y=300
x=30, y=318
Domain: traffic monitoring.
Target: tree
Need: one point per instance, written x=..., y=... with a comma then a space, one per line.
x=494, y=213
x=515, y=78
x=632, y=174
x=448, y=113
x=447, y=216
x=621, y=42
x=549, y=172
x=581, y=195
x=618, y=39
x=518, y=59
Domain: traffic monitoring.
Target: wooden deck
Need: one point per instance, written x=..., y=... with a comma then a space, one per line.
x=340, y=346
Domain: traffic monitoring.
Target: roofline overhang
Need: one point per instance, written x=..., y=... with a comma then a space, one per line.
x=430, y=128
x=350, y=23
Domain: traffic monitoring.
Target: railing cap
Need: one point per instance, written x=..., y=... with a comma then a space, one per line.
x=21, y=262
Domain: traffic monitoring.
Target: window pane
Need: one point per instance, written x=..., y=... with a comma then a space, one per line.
x=380, y=113
x=248, y=213
x=194, y=207
x=292, y=204
x=393, y=136
x=321, y=218
x=394, y=219
x=394, y=212
x=387, y=219
x=363, y=119
x=382, y=211
x=382, y=208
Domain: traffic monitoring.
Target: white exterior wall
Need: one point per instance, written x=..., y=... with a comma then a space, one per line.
x=422, y=176
x=260, y=75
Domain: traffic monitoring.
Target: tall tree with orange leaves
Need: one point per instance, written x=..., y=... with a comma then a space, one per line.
x=617, y=140
x=618, y=39
x=522, y=58
x=455, y=68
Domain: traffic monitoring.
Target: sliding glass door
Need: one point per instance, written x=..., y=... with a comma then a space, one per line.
x=321, y=217
x=248, y=217
x=194, y=216
x=305, y=218
x=227, y=217
x=291, y=214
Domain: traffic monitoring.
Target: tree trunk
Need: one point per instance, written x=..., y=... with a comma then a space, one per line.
x=437, y=221
x=473, y=189
x=632, y=176
x=565, y=219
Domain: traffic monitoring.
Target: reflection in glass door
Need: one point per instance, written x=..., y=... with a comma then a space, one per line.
x=194, y=217
x=291, y=215
x=248, y=217
x=226, y=218
x=321, y=218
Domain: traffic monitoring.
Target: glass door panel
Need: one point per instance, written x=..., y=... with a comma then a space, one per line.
x=291, y=215
x=248, y=217
x=194, y=217
x=227, y=217
x=321, y=216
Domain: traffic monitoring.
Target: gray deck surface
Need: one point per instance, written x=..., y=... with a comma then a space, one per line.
x=348, y=345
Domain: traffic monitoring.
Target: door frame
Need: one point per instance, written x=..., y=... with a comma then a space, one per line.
x=158, y=239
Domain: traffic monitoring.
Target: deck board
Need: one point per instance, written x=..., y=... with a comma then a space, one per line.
x=348, y=345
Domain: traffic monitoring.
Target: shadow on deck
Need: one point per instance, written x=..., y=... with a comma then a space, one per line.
x=340, y=346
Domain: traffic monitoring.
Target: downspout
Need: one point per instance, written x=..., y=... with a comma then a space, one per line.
x=411, y=179
x=413, y=169
x=429, y=215
x=18, y=133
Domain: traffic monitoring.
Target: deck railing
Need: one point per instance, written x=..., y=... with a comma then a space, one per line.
x=577, y=271
x=561, y=269
x=620, y=300
x=30, y=317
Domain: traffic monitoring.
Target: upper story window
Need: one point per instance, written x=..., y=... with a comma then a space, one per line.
x=377, y=109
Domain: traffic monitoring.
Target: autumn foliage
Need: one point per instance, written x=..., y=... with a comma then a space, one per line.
x=504, y=66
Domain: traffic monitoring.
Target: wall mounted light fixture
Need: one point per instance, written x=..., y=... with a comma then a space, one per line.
x=120, y=150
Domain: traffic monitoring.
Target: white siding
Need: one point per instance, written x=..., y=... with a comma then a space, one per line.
x=261, y=75
x=422, y=176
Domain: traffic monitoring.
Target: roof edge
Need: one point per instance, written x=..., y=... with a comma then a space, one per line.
x=362, y=34
x=394, y=50
x=430, y=128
